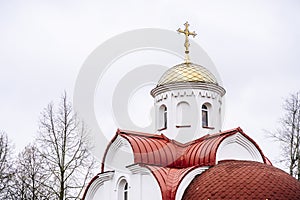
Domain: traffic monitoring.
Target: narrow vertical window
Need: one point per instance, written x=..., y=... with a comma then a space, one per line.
x=123, y=190
x=204, y=116
x=162, y=118
x=165, y=117
x=126, y=191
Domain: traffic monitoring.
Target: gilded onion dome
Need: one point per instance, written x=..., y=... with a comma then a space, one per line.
x=187, y=72
x=187, y=75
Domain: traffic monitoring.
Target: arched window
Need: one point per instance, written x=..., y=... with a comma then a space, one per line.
x=163, y=117
x=183, y=114
x=123, y=190
x=204, y=116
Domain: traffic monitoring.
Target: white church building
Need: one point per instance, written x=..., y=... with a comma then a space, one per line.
x=189, y=156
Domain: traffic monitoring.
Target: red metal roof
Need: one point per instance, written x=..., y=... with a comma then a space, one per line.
x=243, y=180
x=153, y=149
x=169, y=161
x=169, y=179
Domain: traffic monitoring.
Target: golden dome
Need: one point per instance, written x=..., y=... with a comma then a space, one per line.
x=187, y=72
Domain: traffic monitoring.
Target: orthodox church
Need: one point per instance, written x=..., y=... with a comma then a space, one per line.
x=189, y=157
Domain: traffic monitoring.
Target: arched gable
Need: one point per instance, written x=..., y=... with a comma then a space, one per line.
x=231, y=144
x=172, y=164
x=151, y=149
x=239, y=147
x=95, y=188
x=118, y=154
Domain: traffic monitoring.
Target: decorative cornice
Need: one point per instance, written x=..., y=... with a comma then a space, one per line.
x=187, y=93
x=137, y=169
x=96, y=183
x=187, y=85
x=106, y=176
x=118, y=143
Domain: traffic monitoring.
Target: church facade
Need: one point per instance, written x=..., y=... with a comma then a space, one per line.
x=189, y=156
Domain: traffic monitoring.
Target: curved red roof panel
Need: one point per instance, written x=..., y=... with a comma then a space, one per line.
x=154, y=149
x=169, y=161
x=169, y=179
x=151, y=149
x=203, y=153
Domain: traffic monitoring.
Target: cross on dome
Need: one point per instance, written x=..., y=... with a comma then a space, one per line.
x=187, y=33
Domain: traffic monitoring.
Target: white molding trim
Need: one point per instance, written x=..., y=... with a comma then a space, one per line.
x=118, y=144
x=187, y=93
x=240, y=140
x=120, y=178
x=187, y=180
x=188, y=85
x=137, y=169
x=96, y=184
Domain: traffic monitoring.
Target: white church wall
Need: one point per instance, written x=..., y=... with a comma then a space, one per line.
x=103, y=193
x=150, y=188
x=179, y=123
x=100, y=193
x=100, y=188
x=183, y=110
x=141, y=183
x=110, y=189
x=144, y=184
x=238, y=147
x=136, y=187
x=118, y=183
x=119, y=155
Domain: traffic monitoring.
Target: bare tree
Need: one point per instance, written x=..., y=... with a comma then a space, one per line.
x=62, y=138
x=288, y=134
x=5, y=165
x=30, y=175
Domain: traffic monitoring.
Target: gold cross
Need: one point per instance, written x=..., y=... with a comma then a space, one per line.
x=187, y=33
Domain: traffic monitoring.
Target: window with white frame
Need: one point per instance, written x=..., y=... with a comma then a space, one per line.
x=123, y=190
x=163, y=117
x=204, y=111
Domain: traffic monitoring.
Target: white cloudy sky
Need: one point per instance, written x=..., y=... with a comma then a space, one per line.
x=254, y=44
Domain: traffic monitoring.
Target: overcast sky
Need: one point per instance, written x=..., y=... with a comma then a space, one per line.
x=255, y=46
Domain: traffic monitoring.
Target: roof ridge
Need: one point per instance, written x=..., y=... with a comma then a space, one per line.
x=234, y=130
x=175, y=142
x=149, y=135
